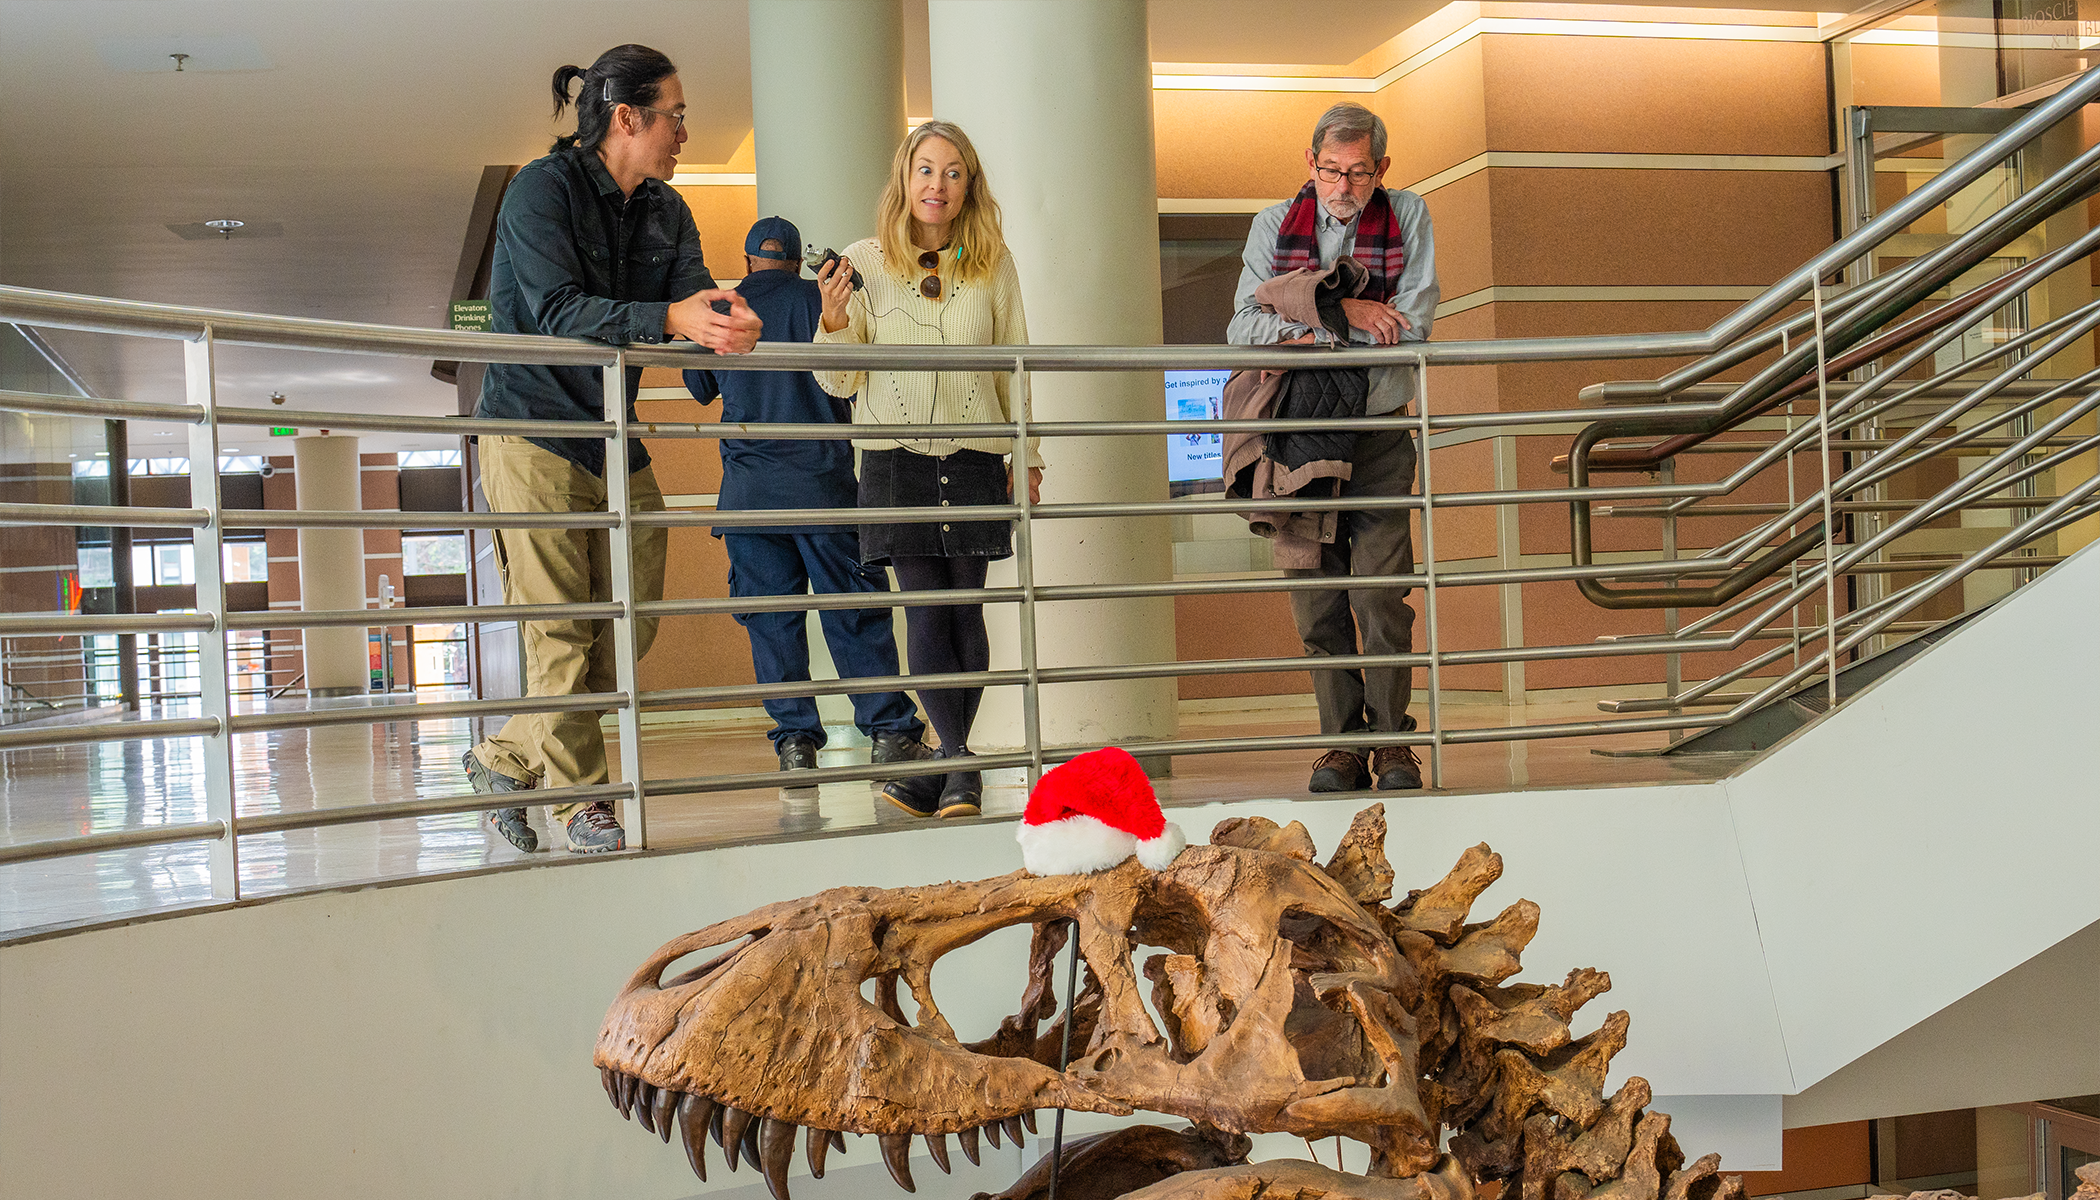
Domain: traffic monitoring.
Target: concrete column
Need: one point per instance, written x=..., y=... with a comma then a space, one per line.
x=827, y=110
x=331, y=564
x=1058, y=101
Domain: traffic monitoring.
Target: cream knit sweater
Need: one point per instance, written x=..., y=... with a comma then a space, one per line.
x=890, y=311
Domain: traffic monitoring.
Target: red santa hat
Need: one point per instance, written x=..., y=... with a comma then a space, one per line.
x=1092, y=813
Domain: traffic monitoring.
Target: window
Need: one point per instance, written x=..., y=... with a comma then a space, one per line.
x=437, y=554
x=429, y=458
x=240, y=464
x=440, y=655
x=96, y=568
x=247, y=562
x=91, y=468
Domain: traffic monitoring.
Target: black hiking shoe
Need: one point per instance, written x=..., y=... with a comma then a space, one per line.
x=510, y=822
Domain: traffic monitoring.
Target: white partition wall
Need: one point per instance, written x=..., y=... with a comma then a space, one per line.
x=1873, y=911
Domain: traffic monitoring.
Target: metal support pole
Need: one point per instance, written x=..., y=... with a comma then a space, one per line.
x=1064, y=1050
x=618, y=501
x=1436, y=674
x=1024, y=570
x=1793, y=569
x=1830, y=639
x=213, y=678
x=1673, y=662
x=1509, y=555
x=116, y=443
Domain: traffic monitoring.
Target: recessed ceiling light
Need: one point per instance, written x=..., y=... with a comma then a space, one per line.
x=224, y=226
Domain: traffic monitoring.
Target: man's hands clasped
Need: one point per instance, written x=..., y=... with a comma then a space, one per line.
x=695, y=319
x=1381, y=321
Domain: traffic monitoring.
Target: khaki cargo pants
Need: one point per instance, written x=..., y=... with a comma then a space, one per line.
x=553, y=566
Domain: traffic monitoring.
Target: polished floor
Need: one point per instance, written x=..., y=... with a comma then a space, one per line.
x=77, y=790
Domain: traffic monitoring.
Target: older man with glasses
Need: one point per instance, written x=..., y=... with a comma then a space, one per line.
x=1345, y=210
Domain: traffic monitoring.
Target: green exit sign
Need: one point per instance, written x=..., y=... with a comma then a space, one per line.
x=281, y=431
x=471, y=315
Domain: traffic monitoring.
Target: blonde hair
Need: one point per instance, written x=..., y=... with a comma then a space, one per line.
x=975, y=233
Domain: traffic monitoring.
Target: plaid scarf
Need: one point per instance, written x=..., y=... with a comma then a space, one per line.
x=1378, y=245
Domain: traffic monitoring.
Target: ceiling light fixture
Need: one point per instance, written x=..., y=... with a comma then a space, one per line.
x=179, y=60
x=225, y=226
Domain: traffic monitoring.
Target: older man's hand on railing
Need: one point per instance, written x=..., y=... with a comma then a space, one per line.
x=696, y=320
x=1381, y=321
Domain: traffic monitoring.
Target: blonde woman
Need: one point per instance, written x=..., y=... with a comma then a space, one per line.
x=937, y=274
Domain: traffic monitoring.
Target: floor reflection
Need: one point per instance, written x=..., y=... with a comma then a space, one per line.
x=75, y=790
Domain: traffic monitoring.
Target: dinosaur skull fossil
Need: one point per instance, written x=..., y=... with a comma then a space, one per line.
x=1292, y=999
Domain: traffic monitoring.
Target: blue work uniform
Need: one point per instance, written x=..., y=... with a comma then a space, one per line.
x=789, y=560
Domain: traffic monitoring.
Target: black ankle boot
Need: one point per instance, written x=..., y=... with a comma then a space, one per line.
x=962, y=793
x=919, y=795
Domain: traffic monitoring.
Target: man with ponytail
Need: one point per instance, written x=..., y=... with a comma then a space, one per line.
x=1345, y=210
x=591, y=242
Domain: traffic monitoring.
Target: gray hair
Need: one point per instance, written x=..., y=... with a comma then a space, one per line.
x=1347, y=123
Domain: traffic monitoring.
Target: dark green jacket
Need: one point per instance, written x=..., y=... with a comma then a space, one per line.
x=575, y=260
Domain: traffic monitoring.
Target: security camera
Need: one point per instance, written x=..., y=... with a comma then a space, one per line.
x=266, y=470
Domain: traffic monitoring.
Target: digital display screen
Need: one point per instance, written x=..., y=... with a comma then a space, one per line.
x=1195, y=396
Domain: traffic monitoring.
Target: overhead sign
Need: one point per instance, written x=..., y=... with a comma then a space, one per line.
x=281, y=431
x=471, y=315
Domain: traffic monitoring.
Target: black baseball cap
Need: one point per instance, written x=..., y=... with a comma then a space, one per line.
x=778, y=229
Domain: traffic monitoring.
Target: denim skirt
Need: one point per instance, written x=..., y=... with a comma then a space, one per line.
x=908, y=479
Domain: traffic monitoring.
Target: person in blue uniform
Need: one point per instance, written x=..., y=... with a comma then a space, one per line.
x=789, y=560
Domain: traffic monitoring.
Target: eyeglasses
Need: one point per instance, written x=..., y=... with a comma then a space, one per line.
x=676, y=117
x=930, y=287
x=1334, y=175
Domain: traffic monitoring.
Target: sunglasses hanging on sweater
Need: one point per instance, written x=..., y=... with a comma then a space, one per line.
x=930, y=287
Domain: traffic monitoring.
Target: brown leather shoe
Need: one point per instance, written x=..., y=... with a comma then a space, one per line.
x=1396, y=768
x=1338, y=771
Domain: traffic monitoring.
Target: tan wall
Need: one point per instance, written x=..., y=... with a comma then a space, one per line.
x=724, y=215
x=1653, y=95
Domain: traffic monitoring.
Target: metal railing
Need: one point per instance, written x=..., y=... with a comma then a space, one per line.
x=2019, y=427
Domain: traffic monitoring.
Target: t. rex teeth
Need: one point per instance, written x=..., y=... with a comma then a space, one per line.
x=645, y=1104
x=967, y=1139
x=624, y=1100
x=817, y=1144
x=749, y=1142
x=1028, y=1119
x=695, y=1114
x=838, y=1140
x=991, y=1130
x=611, y=1079
x=1012, y=1125
x=896, y=1155
x=776, y=1147
x=937, y=1145
x=733, y=1126
x=661, y=1111
x=714, y=1122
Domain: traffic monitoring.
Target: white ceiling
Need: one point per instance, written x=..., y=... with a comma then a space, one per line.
x=361, y=128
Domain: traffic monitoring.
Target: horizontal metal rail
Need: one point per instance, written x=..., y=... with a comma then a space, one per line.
x=439, y=806
x=119, y=839
x=45, y=736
